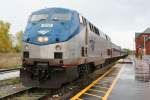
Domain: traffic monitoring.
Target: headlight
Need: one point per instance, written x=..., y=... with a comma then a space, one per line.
x=45, y=39
x=26, y=47
x=58, y=47
x=42, y=39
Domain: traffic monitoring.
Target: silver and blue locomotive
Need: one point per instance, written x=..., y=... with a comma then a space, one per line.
x=60, y=45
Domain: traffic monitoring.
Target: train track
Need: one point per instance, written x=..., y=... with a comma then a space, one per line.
x=101, y=87
x=28, y=94
x=40, y=94
x=9, y=70
x=9, y=74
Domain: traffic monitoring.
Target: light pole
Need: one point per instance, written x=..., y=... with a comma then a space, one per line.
x=144, y=45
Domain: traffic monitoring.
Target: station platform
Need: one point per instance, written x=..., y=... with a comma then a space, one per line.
x=128, y=88
x=128, y=79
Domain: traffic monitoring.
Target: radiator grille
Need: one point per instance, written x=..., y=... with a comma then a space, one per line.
x=25, y=54
x=58, y=55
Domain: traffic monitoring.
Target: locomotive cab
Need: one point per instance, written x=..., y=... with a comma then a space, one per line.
x=45, y=48
x=60, y=45
x=46, y=34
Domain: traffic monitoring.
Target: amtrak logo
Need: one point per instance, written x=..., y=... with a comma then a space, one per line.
x=43, y=32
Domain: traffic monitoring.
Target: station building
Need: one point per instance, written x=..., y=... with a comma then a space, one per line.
x=142, y=42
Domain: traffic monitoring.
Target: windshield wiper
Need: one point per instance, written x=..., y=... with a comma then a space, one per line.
x=55, y=19
x=41, y=20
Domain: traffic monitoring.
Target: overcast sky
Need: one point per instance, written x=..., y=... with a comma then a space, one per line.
x=120, y=19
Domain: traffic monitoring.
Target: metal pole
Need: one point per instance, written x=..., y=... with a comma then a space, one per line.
x=144, y=46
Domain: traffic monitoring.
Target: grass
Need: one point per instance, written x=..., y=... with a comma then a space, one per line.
x=10, y=60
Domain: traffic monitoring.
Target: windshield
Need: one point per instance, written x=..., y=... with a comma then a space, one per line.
x=54, y=17
x=61, y=17
x=38, y=17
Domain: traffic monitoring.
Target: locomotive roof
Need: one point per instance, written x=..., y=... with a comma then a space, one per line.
x=54, y=9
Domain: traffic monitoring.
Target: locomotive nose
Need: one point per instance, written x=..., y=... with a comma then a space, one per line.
x=47, y=34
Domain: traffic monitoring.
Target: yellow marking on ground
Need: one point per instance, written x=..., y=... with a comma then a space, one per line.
x=101, y=84
x=101, y=87
x=106, y=80
x=91, y=85
x=97, y=91
x=113, y=84
x=93, y=95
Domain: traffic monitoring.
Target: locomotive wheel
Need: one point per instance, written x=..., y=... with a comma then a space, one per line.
x=84, y=70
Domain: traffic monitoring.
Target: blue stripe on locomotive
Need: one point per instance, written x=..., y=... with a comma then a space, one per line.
x=60, y=30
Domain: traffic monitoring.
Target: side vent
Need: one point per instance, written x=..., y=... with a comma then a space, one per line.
x=108, y=52
x=86, y=51
x=82, y=52
x=25, y=54
x=58, y=55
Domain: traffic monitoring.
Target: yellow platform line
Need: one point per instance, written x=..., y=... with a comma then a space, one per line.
x=101, y=87
x=98, y=84
x=92, y=84
x=93, y=95
x=103, y=84
x=105, y=81
x=113, y=84
x=97, y=91
x=108, y=79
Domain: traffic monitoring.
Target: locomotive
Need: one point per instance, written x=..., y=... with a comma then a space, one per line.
x=60, y=45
